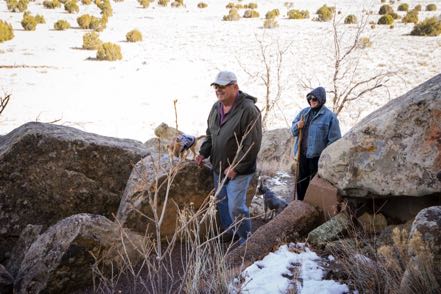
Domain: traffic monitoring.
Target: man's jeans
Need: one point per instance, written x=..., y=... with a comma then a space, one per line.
x=232, y=203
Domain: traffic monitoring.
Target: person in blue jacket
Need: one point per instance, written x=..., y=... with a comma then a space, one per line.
x=319, y=127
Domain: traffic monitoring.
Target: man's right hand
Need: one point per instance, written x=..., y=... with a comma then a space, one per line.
x=300, y=124
x=199, y=159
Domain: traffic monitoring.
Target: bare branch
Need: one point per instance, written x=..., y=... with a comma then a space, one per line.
x=4, y=102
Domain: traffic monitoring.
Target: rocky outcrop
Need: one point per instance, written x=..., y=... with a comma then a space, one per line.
x=190, y=186
x=294, y=221
x=424, y=247
x=60, y=260
x=395, y=150
x=49, y=172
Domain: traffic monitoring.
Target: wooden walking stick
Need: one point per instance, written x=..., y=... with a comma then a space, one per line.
x=297, y=157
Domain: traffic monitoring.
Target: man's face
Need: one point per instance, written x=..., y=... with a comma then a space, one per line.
x=226, y=93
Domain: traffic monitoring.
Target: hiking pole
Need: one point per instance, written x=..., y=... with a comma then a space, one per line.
x=297, y=156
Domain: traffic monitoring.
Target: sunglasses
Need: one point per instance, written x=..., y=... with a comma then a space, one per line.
x=219, y=87
x=312, y=98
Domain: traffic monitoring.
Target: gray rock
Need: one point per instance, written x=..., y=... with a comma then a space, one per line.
x=60, y=260
x=49, y=172
x=6, y=280
x=334, y=229
x=424, y=246
x=427, y=223
x=395, y=150
x=191, y=185
x=27, y=237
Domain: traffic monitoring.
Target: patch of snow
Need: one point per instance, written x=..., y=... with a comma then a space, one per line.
x=273, y=274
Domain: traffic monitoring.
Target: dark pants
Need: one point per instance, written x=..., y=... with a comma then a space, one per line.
x=307, y=169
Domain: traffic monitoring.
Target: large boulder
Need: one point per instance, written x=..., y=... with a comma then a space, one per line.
x=395, y=150
x=61, y=259
x=49, y=172
x=190, y=185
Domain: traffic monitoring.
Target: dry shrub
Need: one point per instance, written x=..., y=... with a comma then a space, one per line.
x=144, y=3
x=202, y=5
x=163, y=2
x=403, y=7
x=250, y=13
x=411, y=17
x=61, y=25
x=429, y=27
x=71, y=6
x=350, y=19
x=86, y=2
x=386, y=20
x=325, y=13
x=51, y=4
x=298, y=14
x=381, y=270
x=91, y=41
x=134, y=36
x=105, y=7
x=109, y=51
x=29, y=23
x=233, y=15
x=40, y=19
x=270, y=23
x=364, y=42
x=385, y=9
x=251, y=5
x=431, y=7
x=17, y=6
x=196, y=245
x=6, y=31
x=272, y=13
x=84, y=21
x=98, y=24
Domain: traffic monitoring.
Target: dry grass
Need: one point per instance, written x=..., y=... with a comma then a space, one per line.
x=192, y=260
x=383, y=270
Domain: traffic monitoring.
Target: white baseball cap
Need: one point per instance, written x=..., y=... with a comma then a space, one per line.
x=224, y=78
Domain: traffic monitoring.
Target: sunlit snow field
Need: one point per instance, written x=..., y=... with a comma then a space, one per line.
x=181, y=52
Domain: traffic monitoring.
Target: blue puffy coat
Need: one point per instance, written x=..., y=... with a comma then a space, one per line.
x=324, y=128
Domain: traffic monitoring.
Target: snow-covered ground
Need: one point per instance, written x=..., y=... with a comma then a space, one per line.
x=292, y=266
x=180, y=54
